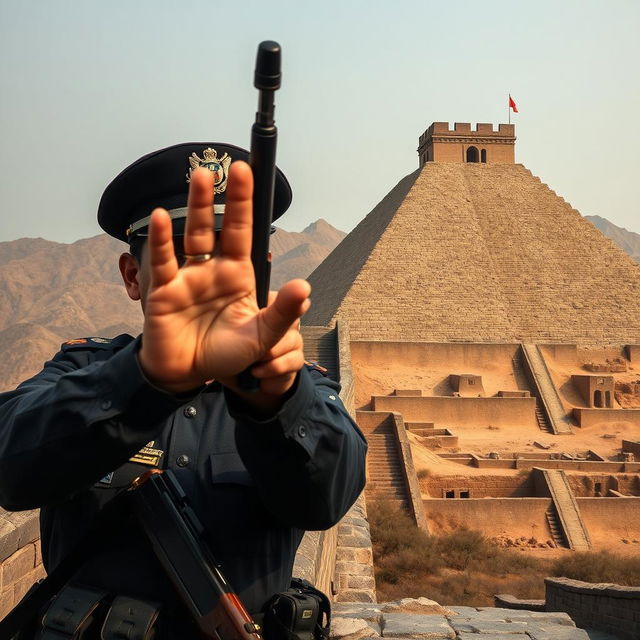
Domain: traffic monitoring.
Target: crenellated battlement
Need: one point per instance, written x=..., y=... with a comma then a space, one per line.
x=460, y=143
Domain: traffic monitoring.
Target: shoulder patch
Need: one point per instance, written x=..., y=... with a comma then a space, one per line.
x=314, y=366
x=87, y=343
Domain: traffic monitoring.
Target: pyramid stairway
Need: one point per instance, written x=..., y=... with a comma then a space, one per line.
x=548, y=403
x=321, y=346
x=385, y=475
x=569, y=519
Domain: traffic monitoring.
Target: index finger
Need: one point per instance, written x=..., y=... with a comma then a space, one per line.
x=237, y=223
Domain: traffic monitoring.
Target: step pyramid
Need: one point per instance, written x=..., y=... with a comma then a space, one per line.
x=478, y=252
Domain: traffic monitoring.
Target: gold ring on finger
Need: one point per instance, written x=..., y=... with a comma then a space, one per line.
x=199, y=257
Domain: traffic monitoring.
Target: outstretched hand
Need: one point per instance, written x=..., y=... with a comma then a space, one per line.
x=202, y=321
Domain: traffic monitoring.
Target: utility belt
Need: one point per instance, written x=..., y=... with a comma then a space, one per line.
x=79, y=612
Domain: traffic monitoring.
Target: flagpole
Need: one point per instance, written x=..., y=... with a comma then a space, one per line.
x=509, y=108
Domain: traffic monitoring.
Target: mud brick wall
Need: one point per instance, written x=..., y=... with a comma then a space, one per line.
x=585, y=486
x=20, y=558
x=611, y=520
x=461, y=411
x=606, y=607
x=594, y=417
x=517, y=516
x=631, y=447
x=481, y=487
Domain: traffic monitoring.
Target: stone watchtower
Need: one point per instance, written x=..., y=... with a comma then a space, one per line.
x=441, y=144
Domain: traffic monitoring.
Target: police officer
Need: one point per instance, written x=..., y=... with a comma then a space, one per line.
x=259, y=468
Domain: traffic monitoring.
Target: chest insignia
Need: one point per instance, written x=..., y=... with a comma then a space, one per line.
x=108, y=479
x=148, y=455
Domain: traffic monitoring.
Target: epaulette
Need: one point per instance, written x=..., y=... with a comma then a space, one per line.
x=316, y=367
x=87, y=343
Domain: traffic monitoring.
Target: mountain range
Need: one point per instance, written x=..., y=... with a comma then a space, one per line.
x=626, y=240
x=52, y=292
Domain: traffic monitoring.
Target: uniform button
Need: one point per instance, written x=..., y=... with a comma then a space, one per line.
x=105, y=405
x=332, y=397
x=190, y=411
x=182, y=460
x=302, y=432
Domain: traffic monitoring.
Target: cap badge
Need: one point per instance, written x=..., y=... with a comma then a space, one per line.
x=218, y=166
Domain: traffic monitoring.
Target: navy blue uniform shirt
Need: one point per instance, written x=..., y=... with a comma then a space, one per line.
x=67, y=436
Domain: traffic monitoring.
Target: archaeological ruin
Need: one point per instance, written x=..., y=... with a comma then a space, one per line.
x=490, y=334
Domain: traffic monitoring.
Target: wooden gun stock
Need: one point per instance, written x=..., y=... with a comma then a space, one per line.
x=176, y=536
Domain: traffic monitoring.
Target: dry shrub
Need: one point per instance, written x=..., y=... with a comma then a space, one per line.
x=600, y=566
x=462, y=567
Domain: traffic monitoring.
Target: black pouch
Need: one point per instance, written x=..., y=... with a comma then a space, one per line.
x=73, y=614
x=132, y=619
x=302, y=612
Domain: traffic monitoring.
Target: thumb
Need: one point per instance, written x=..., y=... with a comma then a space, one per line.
x=276, y=319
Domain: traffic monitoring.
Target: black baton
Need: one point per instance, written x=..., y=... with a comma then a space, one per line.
x=264, y=138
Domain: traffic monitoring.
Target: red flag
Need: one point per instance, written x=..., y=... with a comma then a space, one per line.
x=512, y=105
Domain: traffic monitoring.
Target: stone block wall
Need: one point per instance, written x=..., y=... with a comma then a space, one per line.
x=20, y=557
x=354, y=579
x=352, y=569
x=607, y=607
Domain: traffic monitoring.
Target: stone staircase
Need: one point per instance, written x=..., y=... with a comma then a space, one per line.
x=555, y=528
x=523, y=382
x=385, y=475
x=541, y=417
x=566, y=507
x=548, y=400
x=321, y=346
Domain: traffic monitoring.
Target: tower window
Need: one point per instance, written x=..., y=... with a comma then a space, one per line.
x=483, y=155
x=472, y=154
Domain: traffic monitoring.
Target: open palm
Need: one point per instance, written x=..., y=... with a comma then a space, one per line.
x=202, y=320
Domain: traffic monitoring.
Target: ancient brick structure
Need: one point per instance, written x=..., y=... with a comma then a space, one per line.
x=461, y=144
x=462, y=251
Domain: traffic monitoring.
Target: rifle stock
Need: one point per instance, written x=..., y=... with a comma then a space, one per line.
x=175, y=534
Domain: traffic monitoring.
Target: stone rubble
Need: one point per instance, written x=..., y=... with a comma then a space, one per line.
x=424, y=619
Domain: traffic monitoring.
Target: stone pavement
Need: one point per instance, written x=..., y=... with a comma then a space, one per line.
x=421, y=618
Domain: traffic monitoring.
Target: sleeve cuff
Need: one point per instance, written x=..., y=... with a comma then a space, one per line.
x=124, y=390
x=289, y=415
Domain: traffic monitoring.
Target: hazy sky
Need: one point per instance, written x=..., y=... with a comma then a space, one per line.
x=88, y=87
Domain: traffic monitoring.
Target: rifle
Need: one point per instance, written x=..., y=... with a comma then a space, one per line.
x=262, y=158
x=176, y=537
x=158, y=502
